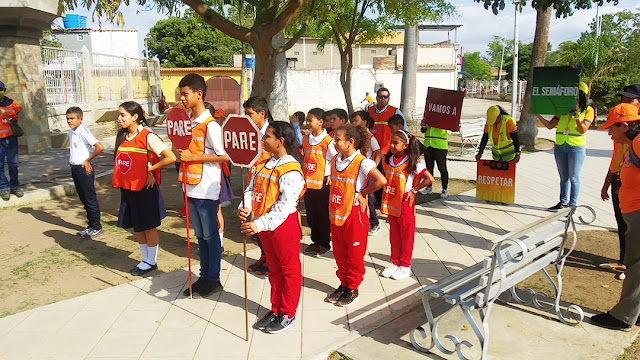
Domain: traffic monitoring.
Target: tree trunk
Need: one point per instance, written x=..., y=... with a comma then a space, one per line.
x=346, y=63
x=527, y=127
x=265, y=63
x=278, y=104
x=409, y=72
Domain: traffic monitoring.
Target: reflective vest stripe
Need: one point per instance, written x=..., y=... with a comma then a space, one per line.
x=338, y=178
x=335, y=216
x=315, y=182
x=503, y=149
x=380, y=123
x=5, y=131
x=197, y=138
x=388, y=207
x=393, y=173
x=314, y=152
x=131, y=149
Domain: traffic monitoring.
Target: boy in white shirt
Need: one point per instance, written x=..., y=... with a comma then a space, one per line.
x=80, y=155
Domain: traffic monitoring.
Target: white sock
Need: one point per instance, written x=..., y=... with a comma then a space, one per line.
x=144, y=249
x=221, y=239
x=153, y=254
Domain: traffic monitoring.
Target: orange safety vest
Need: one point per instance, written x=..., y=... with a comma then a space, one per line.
x=380, y=127
x=196, y=146
x=266, y=187
x=130, y=165
x=393, y=192
x=10, y=112
x=342, y=190
x=314, y=161
x=262, y=159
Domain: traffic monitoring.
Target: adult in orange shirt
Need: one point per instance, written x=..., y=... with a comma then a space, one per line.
x=9, y=110
x=624, y=127
x=629, y=95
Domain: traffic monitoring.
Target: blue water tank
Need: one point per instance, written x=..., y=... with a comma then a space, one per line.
x=75, y=21
x=248, y=63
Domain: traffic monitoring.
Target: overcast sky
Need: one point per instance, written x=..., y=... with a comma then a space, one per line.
x=478, y=25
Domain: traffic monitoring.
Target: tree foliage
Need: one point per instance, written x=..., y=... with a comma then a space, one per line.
x=563, y=8
x=188, y=41
x=494, y=53
x=50, y=40
x=475, y=66
x=617, y=52
x=270, y=17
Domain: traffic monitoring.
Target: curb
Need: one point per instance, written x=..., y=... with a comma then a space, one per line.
x=53, y=192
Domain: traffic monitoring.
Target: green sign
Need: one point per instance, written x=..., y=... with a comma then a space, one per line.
x=555, y=90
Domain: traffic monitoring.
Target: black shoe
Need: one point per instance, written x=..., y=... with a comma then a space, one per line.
x=262, y=270
x=257, y=264
x=280, y=324
x=136, y=271
x=265, y=321
x=609, y=322
x=311, y=249
x=194, y=287
x=557, y=207
x=347, y=298
x=320, y=250
x=208, y=288
x=334, y=296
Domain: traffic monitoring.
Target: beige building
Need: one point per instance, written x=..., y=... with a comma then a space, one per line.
x=383, y=54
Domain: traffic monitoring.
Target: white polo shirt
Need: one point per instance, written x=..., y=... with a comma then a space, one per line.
x=81, y=140
x=209, y=186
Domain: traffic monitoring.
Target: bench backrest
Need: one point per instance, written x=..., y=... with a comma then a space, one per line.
x=470, y=128
x=521, y=253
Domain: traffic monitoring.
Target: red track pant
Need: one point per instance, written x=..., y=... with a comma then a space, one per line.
x=401, y=235
x=350, y=246
x=282, y=248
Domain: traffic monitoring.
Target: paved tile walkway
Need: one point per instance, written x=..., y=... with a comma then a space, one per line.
x=150, y=319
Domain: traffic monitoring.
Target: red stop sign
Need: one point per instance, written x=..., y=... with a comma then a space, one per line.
x=241, y=140
x=179, y=128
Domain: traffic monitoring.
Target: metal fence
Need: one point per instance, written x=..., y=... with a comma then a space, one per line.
x=80, y=76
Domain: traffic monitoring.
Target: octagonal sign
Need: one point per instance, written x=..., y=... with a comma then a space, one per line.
x=179, y=128
x=241, y=140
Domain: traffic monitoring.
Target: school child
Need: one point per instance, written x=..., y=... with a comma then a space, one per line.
x=257, y=109
x=9, y=110
x=405, y=176
x=318, y=151
x=202, y=174
x=297, y=120
x=81, y=140
x=362, y=118
x=350, y=171
x=226, y=192
x=271, y=200
x=337, y=118
x=136, y=171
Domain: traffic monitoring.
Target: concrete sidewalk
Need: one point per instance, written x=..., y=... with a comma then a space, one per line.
x=150, y=319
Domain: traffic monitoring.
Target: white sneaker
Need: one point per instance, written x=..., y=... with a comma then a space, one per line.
x=426, y=191
x=444, y=194
x=403, y=272
x=389, y=270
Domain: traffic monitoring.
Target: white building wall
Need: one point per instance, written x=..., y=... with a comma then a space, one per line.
x=120, y=43
x=321, y=88
x=431, y=56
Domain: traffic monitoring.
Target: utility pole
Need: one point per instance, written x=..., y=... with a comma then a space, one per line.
x=514, y=85
x=500, y=71
x=598, y=30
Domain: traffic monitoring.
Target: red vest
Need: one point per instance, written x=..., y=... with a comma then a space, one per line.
x=130, y=166
x=380, y=127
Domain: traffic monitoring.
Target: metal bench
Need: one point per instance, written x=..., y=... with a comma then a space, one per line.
x=516, y=256
x=471, y=131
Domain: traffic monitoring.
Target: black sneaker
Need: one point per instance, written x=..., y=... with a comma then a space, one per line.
x=194, y=287
x=321, y=250
x=311, y=249
x=609, y=322
x=347, y=298
x=265, y=321
x=208, y=288
x=334, y=296
x=280, y=324
x=557, y=207
x=257, y=264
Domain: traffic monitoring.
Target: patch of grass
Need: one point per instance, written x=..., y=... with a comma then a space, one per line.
x=338, y=356
x=54, y=256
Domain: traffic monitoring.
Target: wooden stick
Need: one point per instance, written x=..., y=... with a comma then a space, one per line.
x=244, y=244
x=183, y=169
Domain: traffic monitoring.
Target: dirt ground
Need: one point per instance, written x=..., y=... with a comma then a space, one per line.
x=44, y=261
x=585, y=284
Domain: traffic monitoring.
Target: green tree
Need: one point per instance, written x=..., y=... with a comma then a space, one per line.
x=271, y=17
x=527, y=127
x=189, y=42
x=50, y=40
x=351, y=22
x=476, y=67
